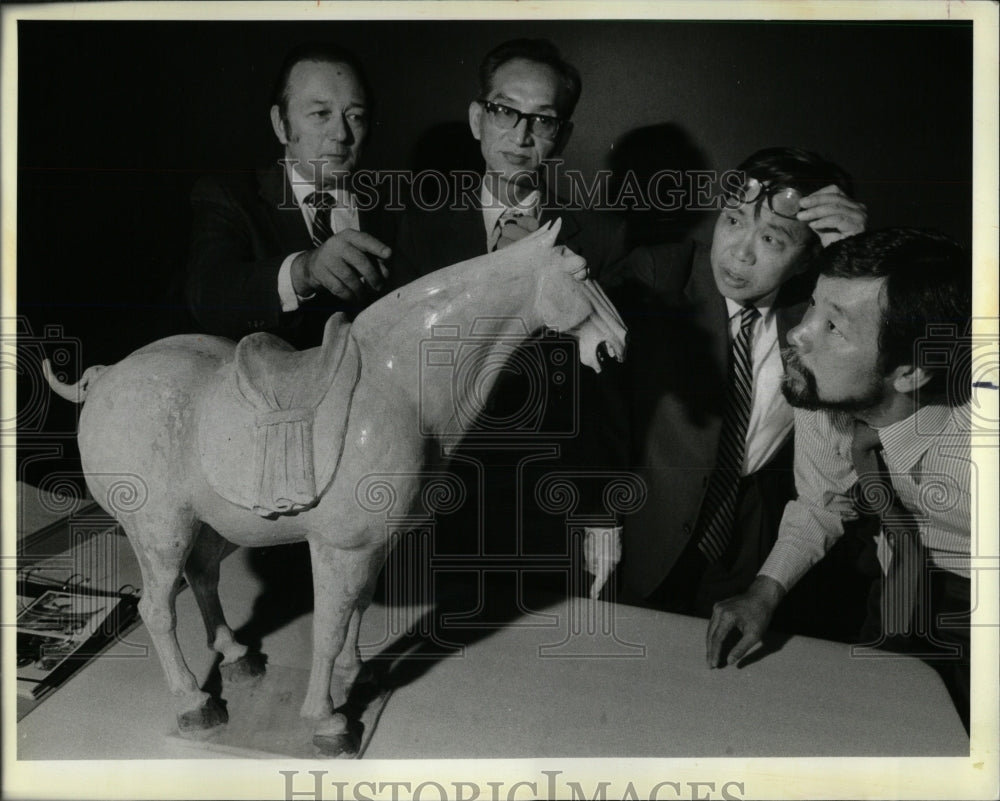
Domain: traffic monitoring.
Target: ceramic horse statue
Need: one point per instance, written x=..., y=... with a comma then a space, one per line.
x=263, y=445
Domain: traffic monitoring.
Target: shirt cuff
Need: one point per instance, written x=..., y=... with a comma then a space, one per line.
x=286, y=292
x=784, y=565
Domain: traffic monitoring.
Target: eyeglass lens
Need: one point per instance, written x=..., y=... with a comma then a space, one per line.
x=784, y=201
x=539, y=124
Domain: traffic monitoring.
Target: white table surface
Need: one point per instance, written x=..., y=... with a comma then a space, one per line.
x=556, y=684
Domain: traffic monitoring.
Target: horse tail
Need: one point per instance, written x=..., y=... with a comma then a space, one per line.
x=75, y=393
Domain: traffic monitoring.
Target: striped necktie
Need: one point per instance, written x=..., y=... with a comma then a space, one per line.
x=903, y=611
x=322, y=202
x=714, y=529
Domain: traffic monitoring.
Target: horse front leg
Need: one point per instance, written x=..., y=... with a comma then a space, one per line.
x=238, y=667
x=339, y=578
x=348, y=667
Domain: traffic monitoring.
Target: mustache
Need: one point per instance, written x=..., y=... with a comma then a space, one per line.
x=790, y=356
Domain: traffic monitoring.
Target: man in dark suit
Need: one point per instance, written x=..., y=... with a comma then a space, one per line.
x=284, y=248
x=709, y=431
x=521, y=120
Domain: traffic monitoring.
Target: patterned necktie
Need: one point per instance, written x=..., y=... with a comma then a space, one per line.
x=322, y=202
x=714, y=528
x=511, y=226
x=874, y=495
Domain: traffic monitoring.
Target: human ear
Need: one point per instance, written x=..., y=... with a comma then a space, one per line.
x=476, y=119
x=907, y=379
x=278, y=125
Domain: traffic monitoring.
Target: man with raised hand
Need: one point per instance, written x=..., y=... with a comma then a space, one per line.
x=701, y=417
x=282, y=249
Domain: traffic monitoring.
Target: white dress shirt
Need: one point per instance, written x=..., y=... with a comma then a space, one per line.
x=770, y=421
x=928, y=457
x=343, y=217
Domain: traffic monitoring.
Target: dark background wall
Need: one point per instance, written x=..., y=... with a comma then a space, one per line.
x=116, y=120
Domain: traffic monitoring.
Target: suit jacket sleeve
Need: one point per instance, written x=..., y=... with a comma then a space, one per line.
x=610, y=245
x=232, y=285
x=602, y=446
x=632, y=282
x=403, y=267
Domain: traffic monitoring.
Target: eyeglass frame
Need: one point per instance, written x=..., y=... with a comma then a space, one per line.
x=530, y=116
x=768, y=191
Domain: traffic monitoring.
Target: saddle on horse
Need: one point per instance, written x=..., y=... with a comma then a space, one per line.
x=257, y=440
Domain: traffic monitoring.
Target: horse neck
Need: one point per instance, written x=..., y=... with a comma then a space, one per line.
x=416, y=338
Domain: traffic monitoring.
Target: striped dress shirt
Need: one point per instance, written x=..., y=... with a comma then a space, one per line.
x=928, y=457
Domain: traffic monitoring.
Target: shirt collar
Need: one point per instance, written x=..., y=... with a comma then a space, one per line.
x=905, y=441
x=302, y=190
x=493, y=208
x=765, y=306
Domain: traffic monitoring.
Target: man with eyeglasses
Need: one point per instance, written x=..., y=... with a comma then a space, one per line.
x=521, y=120
x=708, y=428
x=283, y=248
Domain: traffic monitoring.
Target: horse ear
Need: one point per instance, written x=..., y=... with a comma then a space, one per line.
x=552, y=231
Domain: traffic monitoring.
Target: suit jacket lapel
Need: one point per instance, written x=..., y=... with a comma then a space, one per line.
x=711, y=313
x=285, y=214
x=462, y=234
x=552, y=209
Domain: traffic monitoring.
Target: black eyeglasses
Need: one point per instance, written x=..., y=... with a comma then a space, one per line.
x=505, y=117
x=784, y=201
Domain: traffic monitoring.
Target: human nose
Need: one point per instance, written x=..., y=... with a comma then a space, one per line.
x=521, y=132
x=338, y=130
x=799, y=336
x=744, y=248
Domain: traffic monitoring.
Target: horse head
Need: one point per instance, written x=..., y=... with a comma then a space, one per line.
x=569, y=302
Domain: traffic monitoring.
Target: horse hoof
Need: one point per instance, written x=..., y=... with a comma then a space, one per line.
x=246, y=671
x=334, y=745
x=201, y=721
x=334, y=737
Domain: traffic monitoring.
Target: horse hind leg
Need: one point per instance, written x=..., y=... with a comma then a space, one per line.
x=162, y=548
x=238, y=667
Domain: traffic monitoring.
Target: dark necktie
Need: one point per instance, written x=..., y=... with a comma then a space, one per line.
x=714, y=528
x=511, y=226
x=322, y=202
x=874, y=495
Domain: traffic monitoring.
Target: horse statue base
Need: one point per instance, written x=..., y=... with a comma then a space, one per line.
x=270, y=725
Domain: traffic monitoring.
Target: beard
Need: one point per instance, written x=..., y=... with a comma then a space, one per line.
x=798, y=385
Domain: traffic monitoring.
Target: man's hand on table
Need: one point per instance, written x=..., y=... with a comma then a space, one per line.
x=602, y=550
x=750, y=613
x=348, y=265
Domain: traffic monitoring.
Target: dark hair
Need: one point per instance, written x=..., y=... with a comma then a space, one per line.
x=322, y=52
x=796, y=168
x=541, y=51
x=928, y=299
x=799, y=169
